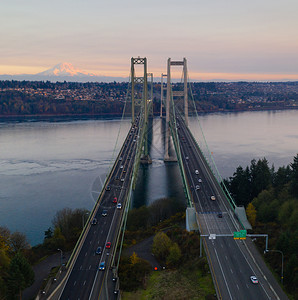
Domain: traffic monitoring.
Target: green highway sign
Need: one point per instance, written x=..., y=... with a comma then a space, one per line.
x=240, y=235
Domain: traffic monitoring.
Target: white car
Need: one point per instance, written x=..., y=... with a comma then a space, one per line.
x=212, y=198
x=197, y=187
x=119, y=205
x=197, y=172
x=254, y=279
x=200, y=180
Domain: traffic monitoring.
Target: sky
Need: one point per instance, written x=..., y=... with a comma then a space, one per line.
x=221, y=39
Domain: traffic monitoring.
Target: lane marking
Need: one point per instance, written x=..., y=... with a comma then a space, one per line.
x=223, y=274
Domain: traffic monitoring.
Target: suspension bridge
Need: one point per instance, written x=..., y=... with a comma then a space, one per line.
x=92, y=270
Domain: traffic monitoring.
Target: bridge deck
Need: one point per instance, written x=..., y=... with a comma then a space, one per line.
x=232, y=262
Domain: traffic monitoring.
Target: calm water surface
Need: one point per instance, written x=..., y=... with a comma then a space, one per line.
x=46, y=166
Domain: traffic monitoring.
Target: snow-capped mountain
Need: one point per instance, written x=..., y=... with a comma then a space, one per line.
x=64, y=72
x=64, y=69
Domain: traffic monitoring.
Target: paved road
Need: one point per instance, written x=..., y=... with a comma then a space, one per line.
x=86, y=280
x=232, y=262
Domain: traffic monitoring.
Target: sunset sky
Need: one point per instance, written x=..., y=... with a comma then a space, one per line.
x=221, y=39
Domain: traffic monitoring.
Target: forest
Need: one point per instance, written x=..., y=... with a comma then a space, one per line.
x=271, y=200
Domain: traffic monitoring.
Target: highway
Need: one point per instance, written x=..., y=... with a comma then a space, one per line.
x=85, y=279
x=232, y=262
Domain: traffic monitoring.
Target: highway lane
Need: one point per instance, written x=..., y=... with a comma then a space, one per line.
x=86, y=280
x=230, y=260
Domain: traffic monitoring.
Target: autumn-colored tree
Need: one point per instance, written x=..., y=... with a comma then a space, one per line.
x=134, y=259
x=251, y=214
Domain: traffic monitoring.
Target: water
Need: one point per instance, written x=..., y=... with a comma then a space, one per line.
x=46, y=166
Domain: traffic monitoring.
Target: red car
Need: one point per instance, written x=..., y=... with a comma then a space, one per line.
x=115, y=200
x=108, y=245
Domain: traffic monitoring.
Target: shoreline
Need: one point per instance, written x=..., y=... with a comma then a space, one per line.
x=115, y=115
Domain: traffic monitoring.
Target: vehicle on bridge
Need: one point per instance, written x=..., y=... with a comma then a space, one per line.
x=98, y=251
x=212, y=198
x=102, y=266
x=94, y=221
x=104, y=213
x=254, y=279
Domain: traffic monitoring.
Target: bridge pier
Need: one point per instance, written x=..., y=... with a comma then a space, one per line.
x=146, y=160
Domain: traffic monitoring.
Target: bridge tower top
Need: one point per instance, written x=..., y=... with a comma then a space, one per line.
x=141, y=80
x=171, y=94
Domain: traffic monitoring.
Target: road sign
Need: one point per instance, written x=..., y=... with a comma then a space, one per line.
x=240, y=235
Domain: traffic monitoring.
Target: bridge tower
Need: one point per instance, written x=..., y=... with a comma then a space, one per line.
x=139, y=80
x=141, y=103
x=170, y=95
x=162, y=92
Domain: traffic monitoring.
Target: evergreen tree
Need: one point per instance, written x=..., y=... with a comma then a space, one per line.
x=260, y=176
x=294, y=177
x=20, y=276
x=240, y=186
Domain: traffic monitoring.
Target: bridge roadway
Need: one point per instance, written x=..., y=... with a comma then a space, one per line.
x=232, y=262
x=85, y=280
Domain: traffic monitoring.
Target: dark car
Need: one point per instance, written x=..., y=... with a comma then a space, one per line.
x=98, y=251
x=108, y=188
x=104, y=213
x=94, y=221
x=219, y=214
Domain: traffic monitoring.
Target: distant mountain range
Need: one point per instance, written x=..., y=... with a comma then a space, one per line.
x=63, y=72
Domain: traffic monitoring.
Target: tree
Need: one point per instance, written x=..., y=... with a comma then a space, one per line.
x=260, y=176
x=48, y=233
x=240, y=186
x=251, y=214
x=20, y=276
x=174, y=255
x=294, y=177
x=134, y=259
x=18, y=241
x=69, y=222
x=161, y=245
